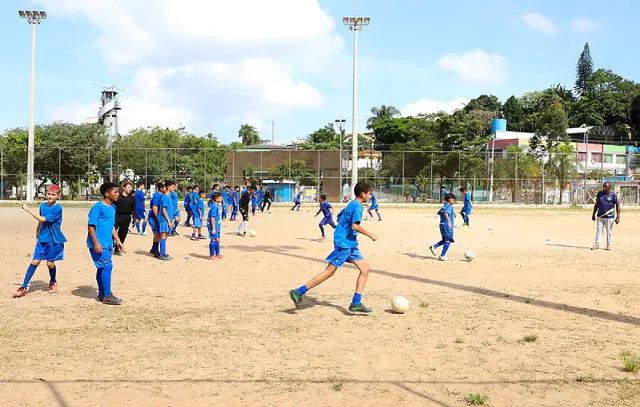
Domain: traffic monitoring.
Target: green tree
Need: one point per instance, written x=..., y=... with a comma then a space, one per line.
x=325, y=138
x=488, y=103
x=510, y=171
x=14, y=142
x=584, y=71
x=295, y=171
x=514, y=113
x=551, y=129
x=562, y=166
x=380, y=113
x=249, y=135
x=634, y=113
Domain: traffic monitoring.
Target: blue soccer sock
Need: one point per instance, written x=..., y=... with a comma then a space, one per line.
x=217, y=247
x=440, y=243
x=302, y=290
x=175, y=224
x=445, y=248
x=52, y=274
x=163, y=247
x=144, y=226
x=212, y=248
x=27, y=277
x=99, y=280
x=138, y=227
x=105, y=278
x=357, y=298
x=188, y=218
x=321, y=229
x=379, y=217
x=467, y=220
x=370, y=214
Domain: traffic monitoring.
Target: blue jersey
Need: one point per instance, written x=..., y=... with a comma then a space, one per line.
x=235, y=198
x=199, y=212
x=210, y=203
x=174, y=202
x=165, y=203
x=50, y=231
x=466, y=207
x=345, y=236
x=155, y=201
x=187, y=201
x=225, y=197
x=607, y=204
x=448, y=209
x=260, y=195
x=325, y=207
x=214, y=213
x=195, y=196
x=298, y=198
x=373, y=202
x=254, y=199
x=102, y=217
x=140, y=199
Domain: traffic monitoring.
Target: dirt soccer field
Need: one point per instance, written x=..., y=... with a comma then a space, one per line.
x=536, y=319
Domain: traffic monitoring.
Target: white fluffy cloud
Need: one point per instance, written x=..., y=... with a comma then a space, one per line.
x=428, y=106
x=541, y=23
x=476, y=66
x=204, y=62
x=585, y=24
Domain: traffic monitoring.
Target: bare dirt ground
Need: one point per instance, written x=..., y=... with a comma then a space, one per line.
x=194, y=332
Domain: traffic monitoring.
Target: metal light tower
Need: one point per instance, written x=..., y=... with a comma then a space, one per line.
x=34, y=18
x=340, y=123
x=355, y=24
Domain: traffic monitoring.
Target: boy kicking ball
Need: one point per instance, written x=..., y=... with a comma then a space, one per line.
x=345, y=240
x=446, y=227
x=50, y=244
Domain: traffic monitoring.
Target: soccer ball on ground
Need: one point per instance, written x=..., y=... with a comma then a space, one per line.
x=252, y=233
x=469, y=255
x=400, y=304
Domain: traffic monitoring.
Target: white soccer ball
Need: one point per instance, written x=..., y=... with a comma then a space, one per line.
x=469, y=255
x=400, y=304
x=252, y=233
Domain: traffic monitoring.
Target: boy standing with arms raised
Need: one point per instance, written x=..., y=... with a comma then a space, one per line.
x=50, y=244
x=100, y=240
x=345, y=240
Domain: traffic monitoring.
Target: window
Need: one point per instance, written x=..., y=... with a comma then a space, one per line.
x=608, y=158
x=596, y=157
x=582, y=157
x=621, y=159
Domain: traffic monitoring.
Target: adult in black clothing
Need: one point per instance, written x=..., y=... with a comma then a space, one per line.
x=267, y=200
x=125, y=209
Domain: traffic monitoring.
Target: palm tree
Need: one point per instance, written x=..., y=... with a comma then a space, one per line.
x=380, y=113
x=249, y=135
x=562, y=165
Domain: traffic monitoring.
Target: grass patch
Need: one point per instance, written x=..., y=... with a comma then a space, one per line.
x=585, y=378
x=424, y=304
x=337, y=386
x=630, y=362
x=529, y=338
x=459, y=339
x=476, y=399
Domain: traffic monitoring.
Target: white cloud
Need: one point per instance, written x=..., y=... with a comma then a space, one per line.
x=428, y=106
x=585, y=24
x=476, y=66
x=195, y=61
x=541, y=23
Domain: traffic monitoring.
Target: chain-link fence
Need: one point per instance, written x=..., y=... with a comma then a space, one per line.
x=397, y=176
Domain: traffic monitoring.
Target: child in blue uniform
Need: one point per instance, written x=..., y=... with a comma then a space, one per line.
x=214, y=225
x=327, y=210
x=100, y=240
x=345, y=240
x=141, y=216
x=225, y=201
x=254, y=202
x=235, y=202
x=446, y=227
x=187, y=205
x=214, y=190
x=466, y=206
x=373, y=206
x=260, y=195
x=297, y=202
x=165, y=219
x=198, y=217
x=50, y=240
x=154, y=213
x=176, y=211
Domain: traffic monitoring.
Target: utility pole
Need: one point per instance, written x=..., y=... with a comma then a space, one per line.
x=340, y=123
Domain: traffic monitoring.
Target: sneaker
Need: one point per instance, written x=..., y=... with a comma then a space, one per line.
x=194, y=238
x=166, y=257
x=143, y=234
x=220, y=256
x=359, y=308
x=53, y=288
x=213, y=257
x=200, y=237
x=111, y=300
x=433, y=251
x=443, y=258
x=595, y=247
x=20, y=292
x=297, y=299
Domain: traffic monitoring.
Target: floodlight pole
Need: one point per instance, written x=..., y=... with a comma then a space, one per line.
x=341, y=123
x=34, y=18
x=493, y=146
x=355, y=24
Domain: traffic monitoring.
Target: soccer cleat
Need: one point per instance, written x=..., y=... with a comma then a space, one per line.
x=200, y=237
x=443, y=258
x=359, y=308
x=595, y=247
x=111, y=300
x=53, y=288
x=20, y=292
x=297, y=299
x=433, y=251
x=165, y=257
x=194, y=238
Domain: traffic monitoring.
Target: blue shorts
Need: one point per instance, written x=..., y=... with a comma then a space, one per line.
x=341, y=255
x=187, y=208
x=196, y=222
x=447, y=233
x=153, y=224
x=141, y=214
x=49, y=251
x=176, y=214
x=101, y=260
x=163, y=225
x=327, y=220
x=373, y=208
x=214, y=235
x=466, y=210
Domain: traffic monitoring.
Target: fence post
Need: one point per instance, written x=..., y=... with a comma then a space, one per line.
x=118, y=171
x=60, y=169
x=205, y=167
x=318, y=189
x=233, y=167
x=2, y=172
x=401, y=197
x=146, y=168
x=88, y=173
x=175, y=164
x=459, y=168
x=431, y=180
x=261, y=170
x=290, y=174
x=515, y=198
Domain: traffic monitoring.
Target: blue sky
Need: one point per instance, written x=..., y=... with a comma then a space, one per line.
x=290, y=60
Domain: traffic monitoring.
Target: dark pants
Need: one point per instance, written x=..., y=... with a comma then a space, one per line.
x=267, y=203
x=122, y=227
